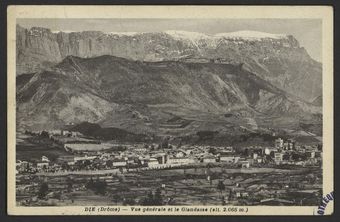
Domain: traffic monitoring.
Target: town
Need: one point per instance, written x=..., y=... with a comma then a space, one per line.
x=159, y=174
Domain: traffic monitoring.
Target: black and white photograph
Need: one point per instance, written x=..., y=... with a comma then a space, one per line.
x=162, y=112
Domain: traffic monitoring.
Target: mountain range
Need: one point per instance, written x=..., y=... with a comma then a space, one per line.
x=166, y=83
x=276, y=58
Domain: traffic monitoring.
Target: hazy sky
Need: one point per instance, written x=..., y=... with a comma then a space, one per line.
x=307, y=31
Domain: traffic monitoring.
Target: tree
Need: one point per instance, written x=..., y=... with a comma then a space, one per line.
x=109, y=163
x=212, y=150
x=115, y=198
x=69, y=184
x=121, y=170
x=246, y=152
x=148, y=200
x=286, y=156
x=153, y=199
x=44, y=134
x=90, y=184
x=57, y=195
x=268, y=158
x=158, y=199
x=230, y=195
x=220, y=186
x=99, y=187
x=87, y=163
x=298, y=157
x=43, y=190
x=223, y=200
x=121, y=148
x=165, y=143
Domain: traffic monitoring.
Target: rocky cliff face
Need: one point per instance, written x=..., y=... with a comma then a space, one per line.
x=37, y=49
x=276, y=58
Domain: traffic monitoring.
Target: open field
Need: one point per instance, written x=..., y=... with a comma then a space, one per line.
x=192, y=187
x=89, y=147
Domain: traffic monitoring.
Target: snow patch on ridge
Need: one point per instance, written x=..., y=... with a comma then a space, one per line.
x=124, y=33
x=252, y=35
x=193, y=37
x=187, y=35
x=64, y=31
x=197, y=36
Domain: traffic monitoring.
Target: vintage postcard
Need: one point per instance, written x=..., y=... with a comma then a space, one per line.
x=170, y=110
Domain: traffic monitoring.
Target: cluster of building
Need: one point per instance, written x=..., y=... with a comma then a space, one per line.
x=144, y=156
x=288, y=152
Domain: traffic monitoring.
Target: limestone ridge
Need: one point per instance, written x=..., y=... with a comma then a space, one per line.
x=276, y=58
